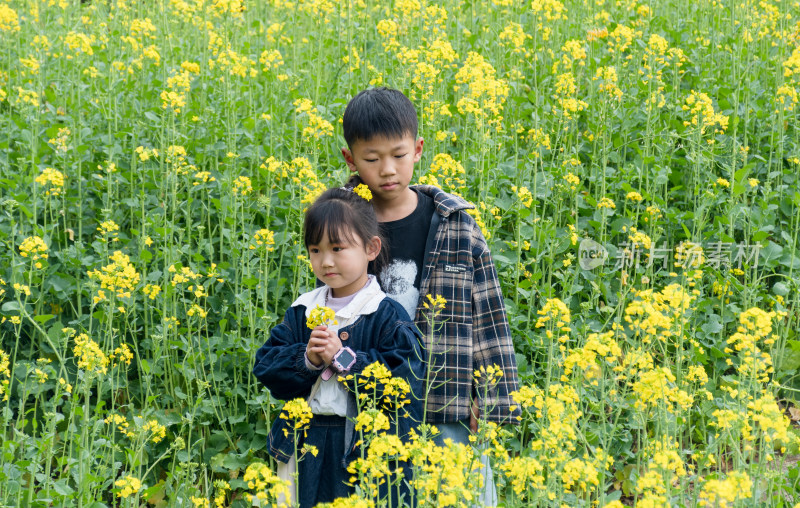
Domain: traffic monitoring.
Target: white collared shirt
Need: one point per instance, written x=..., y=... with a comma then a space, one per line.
x=330, y=397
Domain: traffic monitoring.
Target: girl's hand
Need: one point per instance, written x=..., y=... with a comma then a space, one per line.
x=322, y=345
x=316, y=345
x=332, y=347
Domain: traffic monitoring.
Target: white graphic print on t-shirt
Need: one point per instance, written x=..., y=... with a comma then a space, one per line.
x=397, y=281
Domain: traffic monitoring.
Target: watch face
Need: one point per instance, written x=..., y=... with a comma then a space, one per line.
x=345, y=358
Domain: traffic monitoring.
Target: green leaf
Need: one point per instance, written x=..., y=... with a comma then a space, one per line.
x=771, y=253
x=10, y=306
x=780, y=289
x=62, y=488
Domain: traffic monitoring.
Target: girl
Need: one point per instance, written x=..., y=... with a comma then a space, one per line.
x=342, y=237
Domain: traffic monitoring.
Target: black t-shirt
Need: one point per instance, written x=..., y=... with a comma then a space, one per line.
x=406, y=237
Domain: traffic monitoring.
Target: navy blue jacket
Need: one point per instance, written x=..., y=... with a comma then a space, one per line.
x=387, y=336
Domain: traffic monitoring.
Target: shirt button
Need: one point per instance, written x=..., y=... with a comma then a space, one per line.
x=344, y=336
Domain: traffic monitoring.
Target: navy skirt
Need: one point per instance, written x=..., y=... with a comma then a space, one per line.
x=324, y=478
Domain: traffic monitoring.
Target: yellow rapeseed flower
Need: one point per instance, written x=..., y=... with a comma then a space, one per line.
x=298, y=413
x=321, y=316
x=363, y=191
x=128, y=486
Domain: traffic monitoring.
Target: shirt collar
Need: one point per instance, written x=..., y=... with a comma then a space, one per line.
x=366, y=301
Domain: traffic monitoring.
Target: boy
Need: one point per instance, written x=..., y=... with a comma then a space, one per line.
x=435, y=248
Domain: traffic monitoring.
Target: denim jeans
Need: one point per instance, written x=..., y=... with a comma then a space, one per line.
x=459, y=432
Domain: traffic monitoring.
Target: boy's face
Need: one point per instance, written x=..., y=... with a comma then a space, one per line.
x=385, y=164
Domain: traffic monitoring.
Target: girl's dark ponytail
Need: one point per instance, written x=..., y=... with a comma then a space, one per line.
x=353, y=182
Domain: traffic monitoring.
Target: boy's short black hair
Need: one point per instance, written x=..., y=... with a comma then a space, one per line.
x=379, y=112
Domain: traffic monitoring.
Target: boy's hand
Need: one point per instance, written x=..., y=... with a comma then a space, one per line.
x=474, y=416
x=322, y=345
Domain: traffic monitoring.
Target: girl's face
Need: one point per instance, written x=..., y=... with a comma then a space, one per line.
x=343, y=266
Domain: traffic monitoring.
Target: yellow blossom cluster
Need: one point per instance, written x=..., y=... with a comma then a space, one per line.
x=634, y=197
x=9, y=19
x=482, y=92
x=156, y=431
x=566, y=95
x=599, y=349
x=607, y=77
x=572, y=180
x=233, y=64
x=606, y=203
x=317, y=126
x=119, y=276
x=363, y=191
x=656, y=388
x=524, y=195
x=476, y=214
x=555, y=315
x=554, y=416
x=302, y=173
x=621, y=38
x=268, y=487
x=242, y=186
x=689, y=256
x=203, y=177
x=122, y=355
x=639, y=239
x=175, y=96
x=702, y=114
x=725, y=493
x=22, y=288
x=186, y=274
x=664, y=469
x=372, y=421
x=177, y=160
x=445, y=172
x=61, y=140
x=525, y=475
x=108, y=228
x=264, y=239
x=53, y=180
x=121, y=423
x=196, y=310
x=376, y=468
x=755, y=328
x=128, y=486
x=33, y=247
x=141, y=33
x=434, y=303
x=514, y=37
x=89, y=355
x=31, y=65
x=454, y=485
x=80, y=43
x=321, y=316
x=272, y=60
x=658, y=314
x=298, y=413
x=547, y=12
x=6, y=375
x=151, y=290
x=583, y=474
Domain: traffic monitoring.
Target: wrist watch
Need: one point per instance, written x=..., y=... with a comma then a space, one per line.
x=342, y=361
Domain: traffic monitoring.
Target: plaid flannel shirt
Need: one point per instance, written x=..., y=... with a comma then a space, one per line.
x=472, y=331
